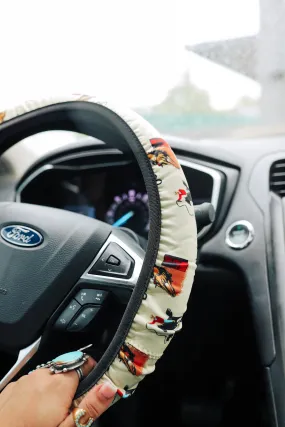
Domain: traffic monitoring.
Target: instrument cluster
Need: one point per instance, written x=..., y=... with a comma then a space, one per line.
x=115, y=194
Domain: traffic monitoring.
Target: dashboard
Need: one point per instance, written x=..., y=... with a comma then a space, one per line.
x=242, y=178
x=113, y=192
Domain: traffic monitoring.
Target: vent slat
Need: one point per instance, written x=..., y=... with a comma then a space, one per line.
x=277, y=174
x=279, y=165
x=277, y=178
x=278, y=183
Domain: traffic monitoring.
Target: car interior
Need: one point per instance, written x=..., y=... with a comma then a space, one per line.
x=228, y=374
x=209, y=76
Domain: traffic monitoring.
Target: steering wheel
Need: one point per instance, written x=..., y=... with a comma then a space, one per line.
x=48, y=256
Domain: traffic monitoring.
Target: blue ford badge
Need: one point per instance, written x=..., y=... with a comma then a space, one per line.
x=20, y=235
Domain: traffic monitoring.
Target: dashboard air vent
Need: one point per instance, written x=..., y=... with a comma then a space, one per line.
x=277, y=178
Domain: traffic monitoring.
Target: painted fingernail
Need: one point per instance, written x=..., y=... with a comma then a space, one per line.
x=120, y=393
x=107, y=391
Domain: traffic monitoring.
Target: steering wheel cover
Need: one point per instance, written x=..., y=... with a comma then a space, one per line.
x=155, y=309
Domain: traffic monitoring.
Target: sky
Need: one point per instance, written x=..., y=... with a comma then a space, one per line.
x=129, y=51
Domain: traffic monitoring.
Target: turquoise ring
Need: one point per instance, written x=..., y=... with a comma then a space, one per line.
x=66, y=362
x=77, y=414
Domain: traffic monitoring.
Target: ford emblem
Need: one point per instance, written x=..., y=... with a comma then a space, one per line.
x=20, y=235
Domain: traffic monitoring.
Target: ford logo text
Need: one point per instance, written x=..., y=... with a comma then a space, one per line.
x=20, y=235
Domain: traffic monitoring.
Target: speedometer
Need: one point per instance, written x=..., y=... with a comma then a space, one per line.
x=129, y=210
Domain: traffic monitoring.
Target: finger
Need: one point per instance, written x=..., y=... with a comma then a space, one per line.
x=86, y=368
x=67, y=381
x=95, y=403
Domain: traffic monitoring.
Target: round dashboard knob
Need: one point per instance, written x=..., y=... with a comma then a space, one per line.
x=239, y=234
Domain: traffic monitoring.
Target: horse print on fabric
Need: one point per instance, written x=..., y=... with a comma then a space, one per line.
x=133, y=358
x=171, y=274
x=161, y=154
x=164, y=327
x=184, y=199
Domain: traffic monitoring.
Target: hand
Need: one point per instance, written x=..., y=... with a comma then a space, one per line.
x=43, y=399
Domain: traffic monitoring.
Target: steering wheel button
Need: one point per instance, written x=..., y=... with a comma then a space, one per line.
x=83, y=319
x=68, y=314
x=122, y=268
x=91, y=296
x=113, y=260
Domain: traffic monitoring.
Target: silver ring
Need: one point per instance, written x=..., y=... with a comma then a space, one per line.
x=80, y=374
x=66, y=362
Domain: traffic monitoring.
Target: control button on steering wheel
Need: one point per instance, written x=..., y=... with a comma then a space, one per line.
x=91, y=296
x=83, y=319
x=114, y=262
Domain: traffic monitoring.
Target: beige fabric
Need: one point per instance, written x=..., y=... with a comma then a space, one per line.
x=159, y=315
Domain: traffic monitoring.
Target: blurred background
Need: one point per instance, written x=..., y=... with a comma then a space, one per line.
x=194, y=68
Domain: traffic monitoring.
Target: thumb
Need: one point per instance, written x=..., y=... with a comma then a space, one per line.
x=95, y=403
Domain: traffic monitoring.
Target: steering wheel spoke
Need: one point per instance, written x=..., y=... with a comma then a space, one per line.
x=113, y=273
x=117, y=265
x=23, y=357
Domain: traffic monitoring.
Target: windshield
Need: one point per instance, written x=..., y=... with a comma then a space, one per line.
x=193, y=68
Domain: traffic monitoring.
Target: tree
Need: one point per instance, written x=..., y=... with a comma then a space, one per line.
x=185, y=98
x=246, y=102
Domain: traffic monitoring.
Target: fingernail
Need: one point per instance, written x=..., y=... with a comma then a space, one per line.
x=107, y=391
